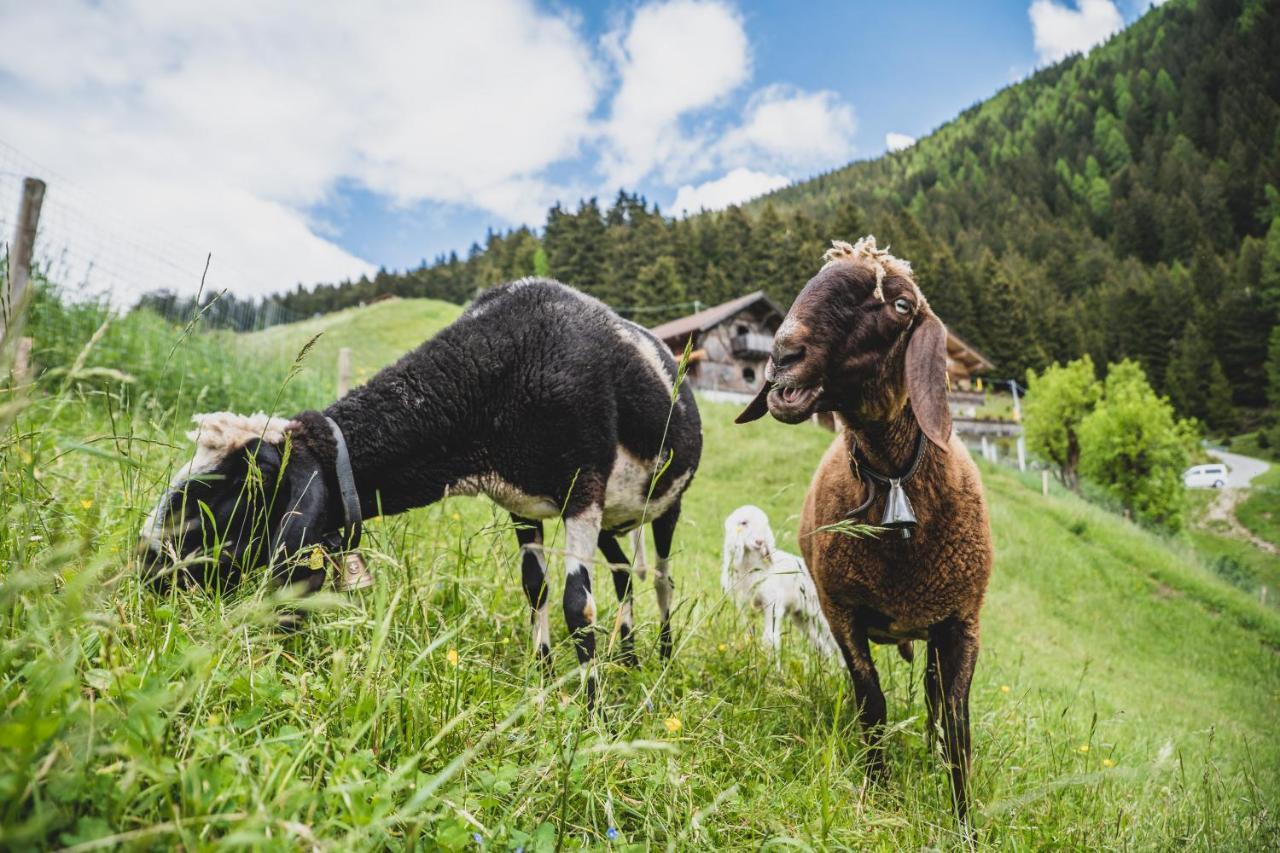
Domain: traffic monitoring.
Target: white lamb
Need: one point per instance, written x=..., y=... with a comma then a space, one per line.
x=756, y=574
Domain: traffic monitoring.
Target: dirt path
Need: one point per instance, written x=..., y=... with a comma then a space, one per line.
x=1223, y=511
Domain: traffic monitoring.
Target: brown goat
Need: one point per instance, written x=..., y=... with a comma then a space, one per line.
x=861, y=341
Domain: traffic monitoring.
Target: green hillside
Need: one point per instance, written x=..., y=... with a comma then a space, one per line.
x=1124, y=697
x=1123, y=204
x=377, y=335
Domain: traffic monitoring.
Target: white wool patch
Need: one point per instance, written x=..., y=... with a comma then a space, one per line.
x=865, y=250
x=506, y=495
x=626, y=496
x=218, y=434
x=637, y=337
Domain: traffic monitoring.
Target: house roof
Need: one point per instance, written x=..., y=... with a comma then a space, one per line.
x=960, y=350
x=708, y=318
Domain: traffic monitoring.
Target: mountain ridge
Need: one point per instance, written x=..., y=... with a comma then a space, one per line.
x=1122, y=203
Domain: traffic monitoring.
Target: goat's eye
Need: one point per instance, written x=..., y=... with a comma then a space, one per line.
x=902, y=306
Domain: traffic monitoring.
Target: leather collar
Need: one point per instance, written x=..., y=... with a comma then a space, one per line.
x=352, y=521
x=870, y=476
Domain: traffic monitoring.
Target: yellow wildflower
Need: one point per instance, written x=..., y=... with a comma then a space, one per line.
x=673, y=724
x=457, y=516
x=87, y=503
x=1004, y=688
x=1084, y=747
x=722, y=647
x=1108, y=762
x=452, y=657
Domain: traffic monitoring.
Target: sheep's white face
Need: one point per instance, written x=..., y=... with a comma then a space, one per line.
x=747, y=529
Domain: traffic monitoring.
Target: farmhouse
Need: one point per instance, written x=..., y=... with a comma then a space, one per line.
x=731, y=343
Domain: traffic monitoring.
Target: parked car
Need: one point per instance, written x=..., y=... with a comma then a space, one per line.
x=1213, y=476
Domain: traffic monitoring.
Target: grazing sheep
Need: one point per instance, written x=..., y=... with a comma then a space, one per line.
x=756, y=574
x=861, y=341
x=538, y=396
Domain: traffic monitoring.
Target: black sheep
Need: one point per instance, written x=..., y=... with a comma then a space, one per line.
x=538, y=396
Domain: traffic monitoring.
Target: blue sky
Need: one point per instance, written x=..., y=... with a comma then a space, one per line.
x=298, y=142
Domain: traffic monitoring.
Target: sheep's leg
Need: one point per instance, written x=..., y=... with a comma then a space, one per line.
x=664, y=529
x=856, y=650
x=582, y=534
x=954, y=643
x=533, y=576
x=622, y=585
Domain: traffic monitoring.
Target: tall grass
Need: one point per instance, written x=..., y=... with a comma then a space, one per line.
x=1116, y=704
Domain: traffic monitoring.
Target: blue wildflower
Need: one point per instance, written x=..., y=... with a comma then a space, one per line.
x=612, y=832
x=475, y=836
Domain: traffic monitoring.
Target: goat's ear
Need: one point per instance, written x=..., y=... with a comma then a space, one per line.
x=757, y=408
x=926, y=373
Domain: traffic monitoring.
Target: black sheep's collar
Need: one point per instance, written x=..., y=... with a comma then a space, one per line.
x=352, y=520
x=898, y=514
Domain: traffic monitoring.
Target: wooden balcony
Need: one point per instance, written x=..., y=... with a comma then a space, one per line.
x=751, y=345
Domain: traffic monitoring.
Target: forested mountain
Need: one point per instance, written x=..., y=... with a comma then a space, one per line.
x=1122, y=204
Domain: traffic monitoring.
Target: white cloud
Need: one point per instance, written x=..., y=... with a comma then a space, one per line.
x=785, y=126
x=168, y=132
x=898, y=141
x=737, y=186
x=674, y=58
x=221, y=129
x=1062, y=29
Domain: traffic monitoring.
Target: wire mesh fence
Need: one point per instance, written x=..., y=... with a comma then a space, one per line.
x=89, y=251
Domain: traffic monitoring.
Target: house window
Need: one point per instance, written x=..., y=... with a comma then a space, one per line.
x=749, y=374
x=741, y=330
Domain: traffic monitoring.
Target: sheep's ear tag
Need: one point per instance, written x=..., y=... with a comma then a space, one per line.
x=355, y=574
x=898, y=514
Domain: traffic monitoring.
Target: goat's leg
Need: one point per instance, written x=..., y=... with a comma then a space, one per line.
x=954, y=642
x=621, y=569
x=582, y=535
x=664, y=528
x=533, y=576
x=856, y=650
x=932, y=696
x=772, y=638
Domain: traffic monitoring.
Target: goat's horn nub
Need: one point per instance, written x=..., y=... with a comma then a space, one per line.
x=864, y=249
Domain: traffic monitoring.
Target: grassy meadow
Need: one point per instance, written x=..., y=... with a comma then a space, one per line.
x=1125, y=695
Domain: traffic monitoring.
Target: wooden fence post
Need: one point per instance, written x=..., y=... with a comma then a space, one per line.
x=344, y=371
x=20, y=253
x=22, y=361
x=1044, y=482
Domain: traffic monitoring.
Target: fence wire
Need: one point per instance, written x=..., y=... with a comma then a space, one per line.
x=90, y=252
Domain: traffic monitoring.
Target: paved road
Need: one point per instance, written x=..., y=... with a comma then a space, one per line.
x=1240, y=469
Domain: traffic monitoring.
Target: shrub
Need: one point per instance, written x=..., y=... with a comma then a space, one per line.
x=1134, y=447
x=1235, y=572
x=1057, y=401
